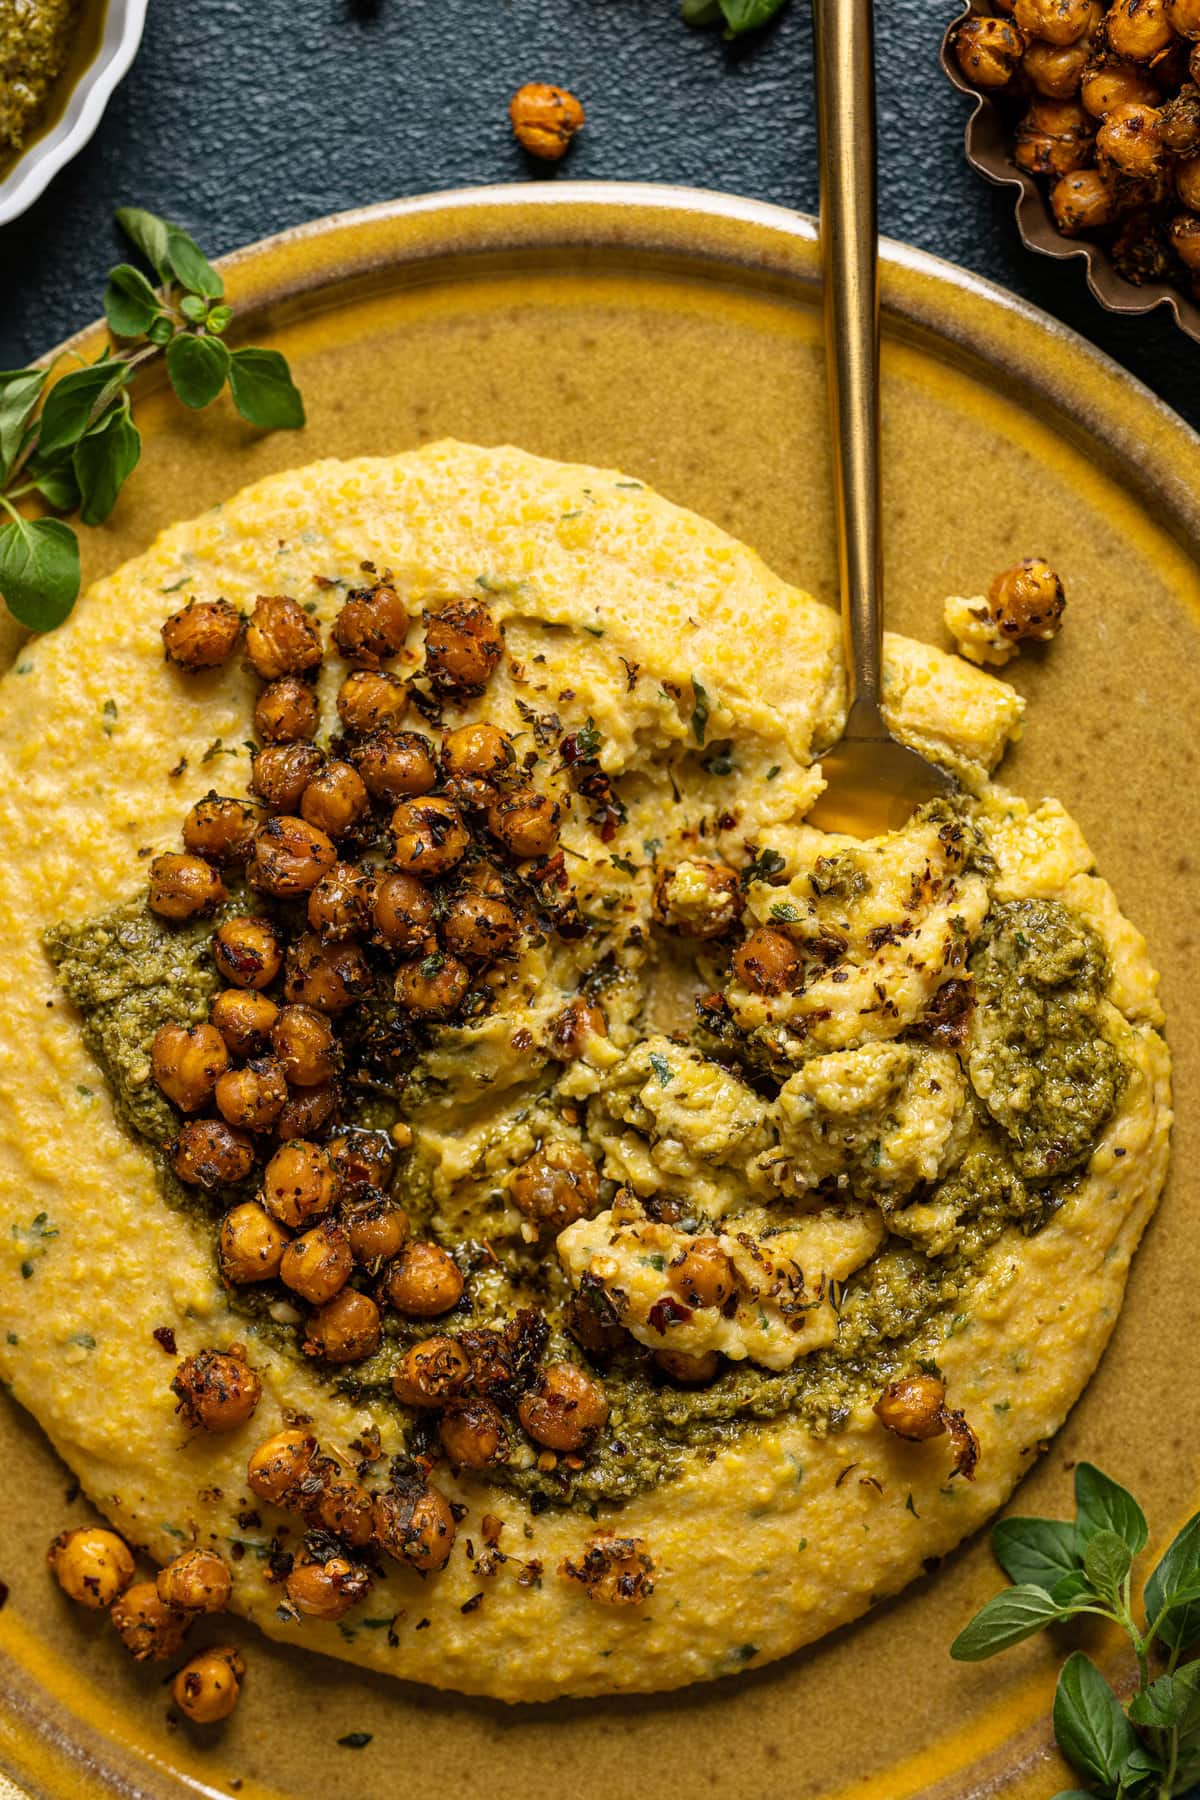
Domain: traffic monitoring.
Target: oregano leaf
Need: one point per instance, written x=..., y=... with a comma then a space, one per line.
x=197, y=367
x=263, y=390
x=190, y=265
x=1102, y=1504
x=1092, y=1731
x=130, y=303
x=1175, y=1584
x=39, y=571
x=104, y=458
x=19, y=392
x=1041, y=1551
x=1007, y=1619
x=1106, y=1562
x=147, y=233
x=73, y=403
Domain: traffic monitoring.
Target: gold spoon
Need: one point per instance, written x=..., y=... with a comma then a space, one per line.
x=874, y=783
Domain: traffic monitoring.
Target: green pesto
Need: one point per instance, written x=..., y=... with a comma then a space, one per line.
x=36, y=40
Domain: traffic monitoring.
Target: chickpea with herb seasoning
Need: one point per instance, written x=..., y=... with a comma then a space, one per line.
x=278, y=1470
x=280, y=638
x=526, y=823
x=298, y=1184
x=220, y=829
x=1054, y=21
x=402, y=911
x=289, y=857
x=199, y=1581
x=416, y=1526
x=372, y=700
x=317, y=1264
x=182, y=887
x=473, y=1434
x=309, y=1112
x=248, y=951
x=988, y=50
x=207, y=1688
x=302, y=1038
x=216, y=1390
x=1138, y=29
x=282, y=772
x=327, y=1590
x=377, y=1231
x=424, y=1281
x=346, y=1329
x=361, y=1161
x=432, y=986
x=394, y=765
x=431, y=1372
x=202, y=635
x=245, y=1019
x=149, y=1629
x=1082, y=201
x=479, y=927
x=429, y=836
x=566, y=1408
x=371, y=626
x=92, y=1565
x=335, y=799
x=463, y=647
x=330, y=976
x=340, y=904
x=702, y=1274
x=1131, y=138
x=555, y=1186
x=347, y=1510
x=768, y=962
x=476, y=759
x=286, y=712
x=250, y=1245
x=186, y=1062
x=252, y=1098
x=208, y=1153
x=1054, y=138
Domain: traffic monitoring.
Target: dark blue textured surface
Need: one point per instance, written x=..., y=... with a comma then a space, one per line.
x=243, y=116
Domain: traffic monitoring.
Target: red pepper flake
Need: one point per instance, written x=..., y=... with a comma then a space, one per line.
x=164, y=1337
x=667, y=1312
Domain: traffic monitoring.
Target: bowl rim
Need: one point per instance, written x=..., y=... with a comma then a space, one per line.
x=33, y=171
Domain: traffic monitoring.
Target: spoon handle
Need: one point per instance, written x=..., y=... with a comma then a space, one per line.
x=845, y=64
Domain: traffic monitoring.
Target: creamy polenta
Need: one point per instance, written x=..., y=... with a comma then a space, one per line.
x=725, y=1127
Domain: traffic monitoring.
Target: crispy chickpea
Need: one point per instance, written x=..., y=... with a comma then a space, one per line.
x=688, y=1371
x=372, y=700
x=570, y=1030
x=545, y=119
x=473, y=1434
x=186, y=1062
x=1187, y=182
x=248, y=950
x=431, y=1372
x=244, y=1019
x=91, y=1565
x=317, y=1264
x=1053, y=21
x=298, y=1183
x=463, y=646
x=431, y=987
x=327, y=1590
x=480, y=928
x=557, y=1185
x=209, y=1154
x=330, y=977
x=1179, y=124
x=149, y=1630
x=1056, y=70
x=1111, y=83
x=1139, y=250
x=395, y=764
x=525, y=822
x=988, y=50
x=423, y=1281
x=1138, y=29
x=250, y=1245
x=768, y=962
x=599, y=1332
x=346, y=1329
x=1027, y=601
x=207, y=1688
x=371, y=626
x=277, y=1470
x=199, y=1581
x=429, y=836
x=701, y=1274
x=220, y=829
x=280, y=638
x=1185, y=17
x=286, y=712
x=289, y=857
x=1082, y=201
x=698, y=899
x=476, y=758
x=566, y=1408
x=1131, y=139
x=282, y=772
x=202, y=635
x=303, y=1040
x=913, y=1407
x=309, y=1112
x=216, y=1390
x=416, y=1527
x=183, y=886
x=252, y=1098
x=1053, y=138
x=335, y=799
x=361, y=1160
x=403, y=911
x=346, y=1509
x=340, y=904
x=1185, y=239
x=377, y=1232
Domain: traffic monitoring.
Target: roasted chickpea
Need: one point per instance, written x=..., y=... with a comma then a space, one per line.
x=91, y=1565
x=345, y=1509
x=377, y=1232
x=280, y=638
x=278, y=1469
x=199, y=1581
x=345, y=1330
x=395, y=764
x=286, y=712
x=371, y=626
x=372, y=700
x=317, y=1265
x=423, y=1281
x=1185, y=17
x=303, y=1040
x=988, y=50
x=220, y=829
x=1180, y=122
x=545, y=119
x=473, y=1434
x=1138, y=29
x=768, y=962
x=149, y=1630
x=298, y=1183
x=463, y=645
x=248, y=951
x=476, y=758
x=1053, y=21
x=327, y=1590
x=183, y=886
x=431, y=1372
x=433, y=986
x=202, y=635
x=244, y=1019
x=416, y=1526
x=557, y=1185
x=688, y=1371
x=208, y=1154
x=698, y=899
x=216, y=1390
x=1187, y=182
x=403, y=911
x=335, y=799
x=429, y=836
x=913, y=1407
x=526, y=823
x=1027, y=601
x=1054, y=137
x=1131, y=139
x=1185, y=239
x=252, y=1098
x=1111, y=83
x=309, y=1112
x=571, y=1029
x=186, y=1062
x=207, y=1688
x=1056, y=70
x=701, y=1274
x=565, y=1410
x=330, y=977
x=250, y=1245
x=1082, y=201
x=340, y=904
x=1139, y=250
x=282, y=772
x=593, y=1324
x=289, y=857
x=361, y=1160
x=480, y=928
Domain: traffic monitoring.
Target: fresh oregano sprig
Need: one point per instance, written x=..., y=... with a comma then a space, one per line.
x=1149, y=1750
x=73, y=443
x=737, y=16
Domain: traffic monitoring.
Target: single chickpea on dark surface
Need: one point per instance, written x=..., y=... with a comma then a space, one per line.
x=202, y=635
x=317, y=1264
x=565, y=1409
x=335, y=799
x=424, y=1281
x=221, y=829
x=149, y=1629
x=250, y=1245
x=186, y=1062
x=431, y=1372
x=92, y=1565
x=298, y=1183
x=555, y=1186
x=545, y=119
x=463, y=647
x=281, y=639
x=207, y=1688
x=216, y=1390
x=330, y=976
x=282, y=772
x=252, y=1098
x=248, y=950
x=244, y=1019
x=371, y=626
x=394, y=765
x=340, y=904
x=432, y=986
x=182, y=886
x=372, y=700
x=286, y=712
x=289, y=857
x=1027, y=601
x=347, y=1329
x=198, y=1581
x=209, y=1154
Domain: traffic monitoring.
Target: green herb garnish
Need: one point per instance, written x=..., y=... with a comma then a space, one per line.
x=737, y=16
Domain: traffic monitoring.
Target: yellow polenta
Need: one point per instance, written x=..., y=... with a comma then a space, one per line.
x=714, y=687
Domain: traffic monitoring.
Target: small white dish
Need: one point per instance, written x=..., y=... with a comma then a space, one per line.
x=124, y=22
